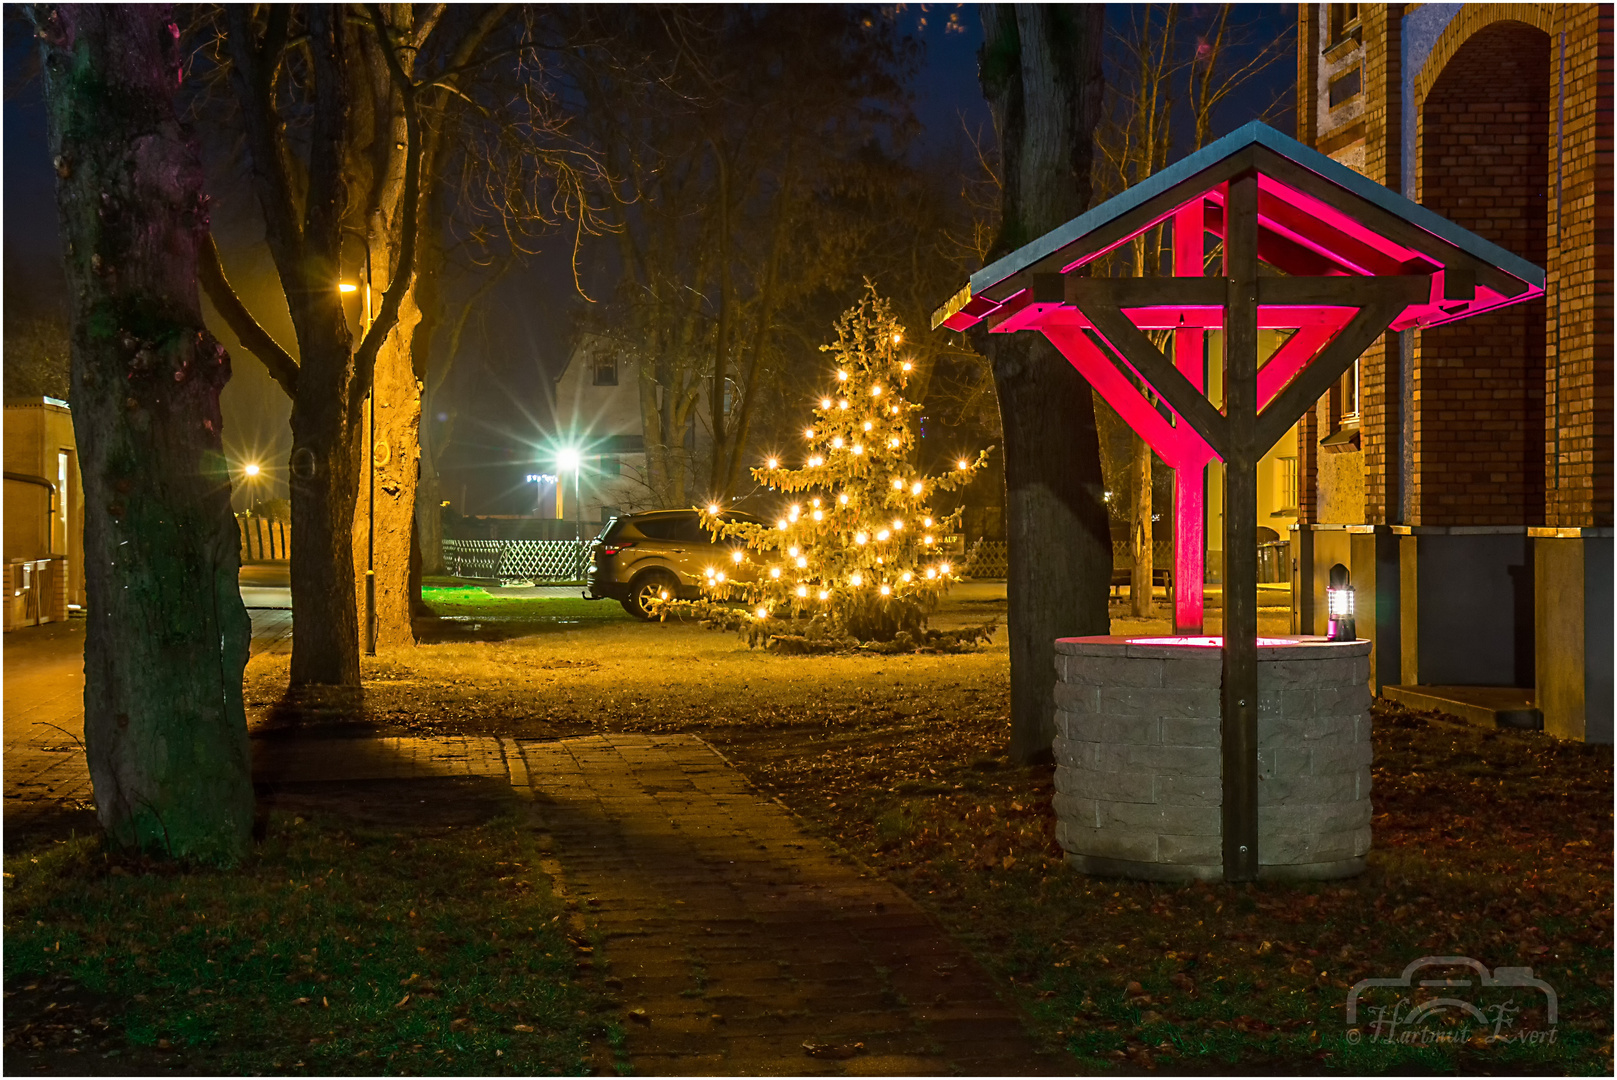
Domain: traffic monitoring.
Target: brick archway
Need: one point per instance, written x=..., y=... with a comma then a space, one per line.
x=1483, y=162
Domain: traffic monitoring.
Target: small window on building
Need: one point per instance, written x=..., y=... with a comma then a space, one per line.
x=1288, y=483
x=1345, y=87
x=604, y=371
x=1344, y=20
x=1350, y=393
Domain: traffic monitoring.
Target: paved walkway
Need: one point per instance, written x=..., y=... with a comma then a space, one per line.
x=45, y=771
x=735, y=942
x=741, y=937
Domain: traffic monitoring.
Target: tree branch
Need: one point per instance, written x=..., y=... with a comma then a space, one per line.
x=253, y=337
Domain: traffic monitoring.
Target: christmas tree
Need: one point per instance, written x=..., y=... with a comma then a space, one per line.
x=856, y=550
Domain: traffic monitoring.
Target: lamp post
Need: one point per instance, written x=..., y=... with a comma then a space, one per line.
x=370, y=468
x=250, y=472
x=569, y=458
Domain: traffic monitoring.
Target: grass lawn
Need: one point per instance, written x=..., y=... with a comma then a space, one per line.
x=336, y=949
x=1489, y=844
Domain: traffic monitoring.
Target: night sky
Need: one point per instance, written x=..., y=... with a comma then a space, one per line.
x=505, y=373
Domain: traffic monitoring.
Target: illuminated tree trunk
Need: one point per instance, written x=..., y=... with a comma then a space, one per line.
x=1040, y=71
x=167, y=637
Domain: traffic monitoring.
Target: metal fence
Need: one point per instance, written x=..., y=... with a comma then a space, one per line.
x=557, y=562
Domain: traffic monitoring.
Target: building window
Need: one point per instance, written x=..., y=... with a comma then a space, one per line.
x=604, y=371
x=1345, y=87
x=1350, y=393
x=1344, y=20
x=1288, y=483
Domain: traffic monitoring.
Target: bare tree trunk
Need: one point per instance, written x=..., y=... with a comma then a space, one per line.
x=1140, y=535
x=1041, y=75
x=164, y=728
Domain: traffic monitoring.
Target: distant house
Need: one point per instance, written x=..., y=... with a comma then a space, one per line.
x=598, y=413
x=44, y=514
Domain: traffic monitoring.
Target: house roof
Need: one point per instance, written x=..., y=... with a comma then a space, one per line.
x=1316, y=217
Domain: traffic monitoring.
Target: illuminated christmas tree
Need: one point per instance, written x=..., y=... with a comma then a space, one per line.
x=856, y=550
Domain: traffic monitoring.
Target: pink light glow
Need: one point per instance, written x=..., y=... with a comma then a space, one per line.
x=1209, y=642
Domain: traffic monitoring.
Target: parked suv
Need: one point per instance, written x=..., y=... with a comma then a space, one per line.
x=639, y=556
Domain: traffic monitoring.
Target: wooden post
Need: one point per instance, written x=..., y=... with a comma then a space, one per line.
x=1239, y=704
x=1189, y=481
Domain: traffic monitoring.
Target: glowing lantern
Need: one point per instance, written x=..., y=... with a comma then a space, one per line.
x=1339, y=607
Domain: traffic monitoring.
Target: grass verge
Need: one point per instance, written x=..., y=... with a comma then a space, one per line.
x=334, y=950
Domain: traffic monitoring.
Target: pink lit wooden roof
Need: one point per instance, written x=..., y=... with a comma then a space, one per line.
x=1316, y=218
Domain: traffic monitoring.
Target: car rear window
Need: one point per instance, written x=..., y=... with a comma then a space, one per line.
x=613, y=528
x=672, y=527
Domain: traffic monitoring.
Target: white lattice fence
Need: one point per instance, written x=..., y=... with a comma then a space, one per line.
x=986, y=559
x=559, y=561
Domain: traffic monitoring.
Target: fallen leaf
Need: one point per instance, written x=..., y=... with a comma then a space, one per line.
x=639, y=1016
x=300, y=1001
x=401, y=1003
x=522, y=1027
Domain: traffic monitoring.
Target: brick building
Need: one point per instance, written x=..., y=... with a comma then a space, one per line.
x=1464, y=473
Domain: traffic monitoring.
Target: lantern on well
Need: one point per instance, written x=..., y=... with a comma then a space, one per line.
x=1339, y=607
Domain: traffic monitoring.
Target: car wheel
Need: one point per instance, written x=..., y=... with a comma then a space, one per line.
x=644, y=590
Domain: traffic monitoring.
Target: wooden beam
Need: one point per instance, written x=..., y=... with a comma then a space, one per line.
x=1314, y=380
x=1149, y=292
x=1125, y=225
x=1384, y=222
x=1355, y=292
x=1095, y=297
x=1238, y=727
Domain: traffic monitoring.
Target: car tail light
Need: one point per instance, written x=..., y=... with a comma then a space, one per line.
x=616, y=546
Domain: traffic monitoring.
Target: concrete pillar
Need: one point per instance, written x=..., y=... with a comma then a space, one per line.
x=1572, y=579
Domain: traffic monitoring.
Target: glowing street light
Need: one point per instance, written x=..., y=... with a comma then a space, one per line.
x=250, y=470
x=347, y=287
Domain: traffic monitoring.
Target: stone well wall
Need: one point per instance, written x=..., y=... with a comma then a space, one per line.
x=1138, y=758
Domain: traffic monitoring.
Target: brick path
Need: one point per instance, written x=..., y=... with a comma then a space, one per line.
x=739, y=936
x=45, y=771
x=742, y=937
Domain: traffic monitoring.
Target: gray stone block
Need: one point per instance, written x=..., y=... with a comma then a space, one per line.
x=1184, y=760
x=1130, y=731
x=1325, y=729
x=1339, y=758
x=1111, y=671
x=1282, y=846
x=1077, y=810
x=1184, y=704
x=1079, y=727
x=1282, y=731
x=1081, y=754
x=1077, y=698
x=1190, y=731
x=1206, y=792
x=1361, y=783
x=1344, y=701
x=1335, y=844
x=1336, y=788
x=1308, y=818
x=1109, y=843
x=1199, y=850
x=1361, y=841
x=1289, y=675
x=1179, y=820
x=1194, y=674
x=1282, y=762
x=1126, y=785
